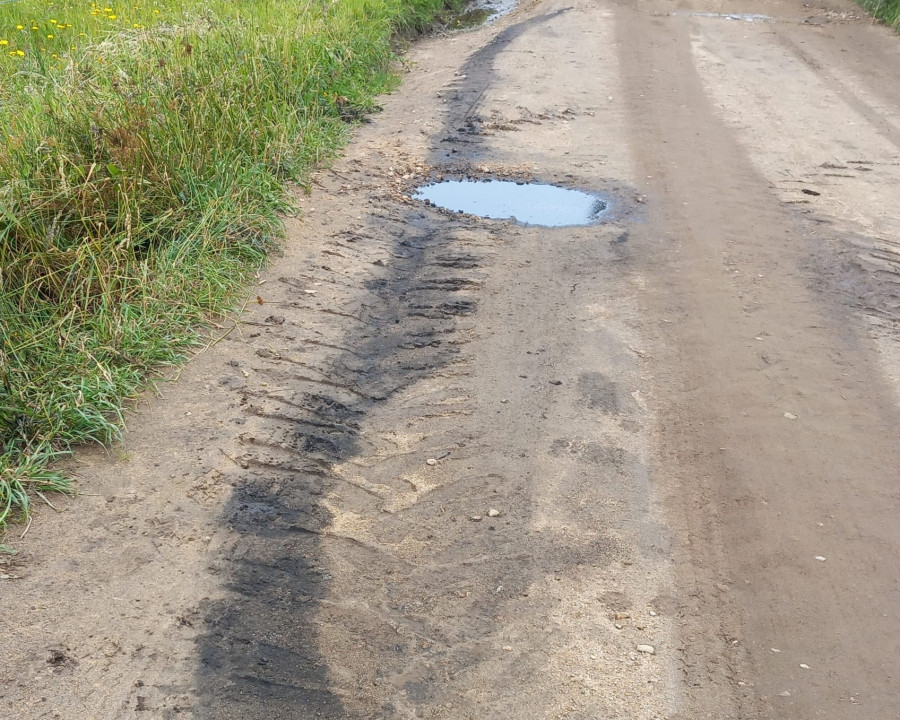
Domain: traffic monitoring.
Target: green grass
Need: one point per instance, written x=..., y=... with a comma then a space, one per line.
x=888, y=11
x=145, y=155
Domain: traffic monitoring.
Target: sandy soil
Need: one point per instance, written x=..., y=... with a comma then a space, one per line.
x=456, y=468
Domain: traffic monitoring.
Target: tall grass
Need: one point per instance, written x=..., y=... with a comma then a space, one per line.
x=888, y=11
x=145, y=153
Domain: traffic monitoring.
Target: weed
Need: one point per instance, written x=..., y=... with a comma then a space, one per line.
x=145, y=157
x=888, y=11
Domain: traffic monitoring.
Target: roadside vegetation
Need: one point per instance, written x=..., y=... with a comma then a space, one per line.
x=888, y=11
x=146, y=151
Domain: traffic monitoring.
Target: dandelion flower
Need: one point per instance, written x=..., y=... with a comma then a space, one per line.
x=49, y=37
x=20, y=53
x=4, y=42
x=20, y=27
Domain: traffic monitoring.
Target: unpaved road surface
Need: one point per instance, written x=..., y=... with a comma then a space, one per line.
x=456, y=468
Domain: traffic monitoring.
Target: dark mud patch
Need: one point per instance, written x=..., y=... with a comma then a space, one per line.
x=526, y=203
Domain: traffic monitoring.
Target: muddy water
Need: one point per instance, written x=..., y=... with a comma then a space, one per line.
x=526, y=203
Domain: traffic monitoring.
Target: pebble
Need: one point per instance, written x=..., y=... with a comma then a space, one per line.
x=790, y=416
x=785, y=693
x=648, y=649
x=476, y=518
x=431, y=461
x=820, y=558
x=493, y=513
x=804, y=666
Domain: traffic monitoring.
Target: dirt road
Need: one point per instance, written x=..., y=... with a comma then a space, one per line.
x=457, y=468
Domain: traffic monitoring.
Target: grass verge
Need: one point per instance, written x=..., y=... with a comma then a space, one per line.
x=888, y=11
x=145, y=155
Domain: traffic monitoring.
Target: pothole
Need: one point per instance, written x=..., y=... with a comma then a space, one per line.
x=526, y=203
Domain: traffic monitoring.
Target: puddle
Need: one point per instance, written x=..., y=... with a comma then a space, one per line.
x=744, y=17
x=482, y=12
x=526, y=203
x=471, y=18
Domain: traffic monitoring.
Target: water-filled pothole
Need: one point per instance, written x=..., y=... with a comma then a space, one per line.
x=526, y=203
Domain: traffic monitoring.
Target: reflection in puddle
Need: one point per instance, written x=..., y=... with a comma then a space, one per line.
x=529, y=204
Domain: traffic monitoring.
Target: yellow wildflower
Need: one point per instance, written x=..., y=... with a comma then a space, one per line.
x=49, y=37
x=20, y=53
x=4, y=42
x=20, y=27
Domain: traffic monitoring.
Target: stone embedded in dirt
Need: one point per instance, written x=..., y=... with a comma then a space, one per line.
x=493, y=513
x=790, y=416
x=820, y=558
x=476, y=518
x=784, y=693
x=431, y=461
x=804, y=666
x=647, y=649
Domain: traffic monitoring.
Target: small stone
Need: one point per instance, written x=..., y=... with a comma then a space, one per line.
x=784, y=693
x=476, y=518
x=431, y=461
x=507, y=648
x=493, y=513
x=647, y=649
x=775, y=650
x=804, y=666
x=820, y=558
x=653, y=613
x=790, y=416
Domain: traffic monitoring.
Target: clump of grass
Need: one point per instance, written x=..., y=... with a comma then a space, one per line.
x=144, y=164
x=888, y=11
